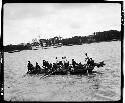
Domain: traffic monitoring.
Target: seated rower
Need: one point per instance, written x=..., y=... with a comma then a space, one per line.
x=30, y=67
x=92, y=62
x=48, y=66
x=44, y=63
x=91, y=65
x=64, y=60
x=54, y=66
x=80, y=65
x=74, y=63
x=66, y=64
x=57, y=61
x=60, y=64
x=38, y=69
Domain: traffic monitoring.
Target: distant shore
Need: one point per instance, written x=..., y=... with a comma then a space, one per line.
x=105, y=36
x=12, y=48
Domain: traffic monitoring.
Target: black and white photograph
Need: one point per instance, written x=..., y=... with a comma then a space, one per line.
x=62, y=51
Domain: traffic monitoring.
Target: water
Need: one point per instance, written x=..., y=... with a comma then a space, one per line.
x=104, y=85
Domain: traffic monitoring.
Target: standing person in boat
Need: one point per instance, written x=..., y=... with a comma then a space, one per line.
x=90, y=63
x=87, y=67
x=87, y=59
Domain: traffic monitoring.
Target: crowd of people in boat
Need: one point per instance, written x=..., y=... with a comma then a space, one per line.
x=64, y=63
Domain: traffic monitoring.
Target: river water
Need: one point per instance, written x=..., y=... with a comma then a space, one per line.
x=104, y=85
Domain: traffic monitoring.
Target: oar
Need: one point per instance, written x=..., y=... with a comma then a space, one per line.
x=47, y=75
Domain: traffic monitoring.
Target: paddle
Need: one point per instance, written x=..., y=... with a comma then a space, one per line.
x=47, y=74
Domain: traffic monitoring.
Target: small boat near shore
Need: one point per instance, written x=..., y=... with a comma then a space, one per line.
x=57, y=45
x=70, y=45
x=14, y=51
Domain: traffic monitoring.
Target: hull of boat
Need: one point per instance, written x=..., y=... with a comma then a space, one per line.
x=62, y=72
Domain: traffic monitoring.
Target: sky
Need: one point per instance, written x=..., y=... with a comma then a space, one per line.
x=24, y=21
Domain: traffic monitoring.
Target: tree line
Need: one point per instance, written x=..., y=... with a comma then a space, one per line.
x=17, y=47
x=76, y=40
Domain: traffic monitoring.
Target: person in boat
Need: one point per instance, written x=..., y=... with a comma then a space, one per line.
x=60, y=65
x=88, y=60
x=74, y=63
x=50, y=66
x=47, y=64
x=30, y=67
x=80, y=65
x=91, y=66
x=92, y=62
x=44, y=63
x=37, y=68
x=57, y=61
x=54, y=66
x=63, y=60
x=66, y=64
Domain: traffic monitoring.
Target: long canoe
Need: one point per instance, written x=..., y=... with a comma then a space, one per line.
x=64, y=71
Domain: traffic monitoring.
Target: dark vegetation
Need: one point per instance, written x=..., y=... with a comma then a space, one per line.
x=19, y=47
x=76, y=40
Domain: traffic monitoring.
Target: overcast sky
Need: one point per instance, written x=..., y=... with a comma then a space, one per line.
x=23, y=22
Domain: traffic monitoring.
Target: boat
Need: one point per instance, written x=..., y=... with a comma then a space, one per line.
x=57, y=45
x=70, y=70
x=70, y=45
x=35, y=49
x=10, y=51
x=54, y=46
x=14, y=51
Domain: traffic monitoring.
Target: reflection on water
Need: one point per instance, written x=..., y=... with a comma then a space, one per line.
x=103, y=85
